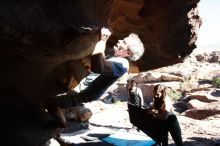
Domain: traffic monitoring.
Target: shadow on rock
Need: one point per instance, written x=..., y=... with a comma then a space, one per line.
x=216, y=93
x=201, y=141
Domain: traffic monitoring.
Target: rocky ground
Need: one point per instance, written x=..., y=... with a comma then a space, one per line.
x=195, y=98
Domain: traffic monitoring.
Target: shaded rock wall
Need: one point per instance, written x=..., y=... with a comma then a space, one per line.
x=39, y=39
x=168, y=28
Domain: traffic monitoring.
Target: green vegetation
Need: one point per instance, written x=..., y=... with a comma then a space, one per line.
x=216, y=82
x=174, y=95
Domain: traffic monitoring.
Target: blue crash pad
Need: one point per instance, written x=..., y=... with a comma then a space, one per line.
x=121, y=138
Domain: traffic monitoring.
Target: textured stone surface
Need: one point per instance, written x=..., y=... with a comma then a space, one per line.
x=40, y=39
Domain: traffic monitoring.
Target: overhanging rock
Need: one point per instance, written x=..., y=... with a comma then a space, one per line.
x=41, y=41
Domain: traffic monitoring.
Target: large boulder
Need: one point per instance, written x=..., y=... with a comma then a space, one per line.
x=42, y=44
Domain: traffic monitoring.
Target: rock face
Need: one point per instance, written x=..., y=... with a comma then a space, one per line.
x=43, y=43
